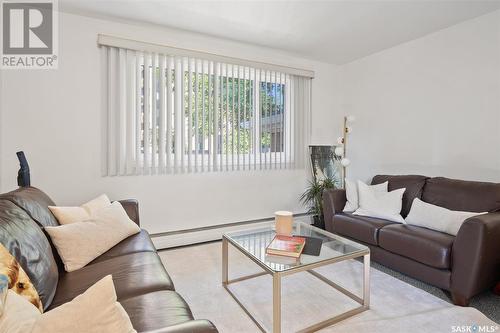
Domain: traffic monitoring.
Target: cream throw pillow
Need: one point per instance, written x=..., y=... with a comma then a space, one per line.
x=94, y=311
x=430, y=216
x=380, y=205
x=351, y=192
x=19, y=315
x=79, y=243
x=67, y=215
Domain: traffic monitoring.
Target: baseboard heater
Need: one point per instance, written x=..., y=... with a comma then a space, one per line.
x=165, y=240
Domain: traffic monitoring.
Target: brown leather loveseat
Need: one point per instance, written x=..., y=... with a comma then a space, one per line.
x=465, y=265
x=142, y=284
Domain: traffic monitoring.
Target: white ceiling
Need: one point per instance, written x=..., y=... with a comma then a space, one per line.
x=332, y=31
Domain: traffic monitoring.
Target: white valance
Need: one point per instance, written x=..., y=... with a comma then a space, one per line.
x=134, y=45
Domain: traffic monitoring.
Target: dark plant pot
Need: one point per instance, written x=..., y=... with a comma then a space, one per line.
x=319, y=221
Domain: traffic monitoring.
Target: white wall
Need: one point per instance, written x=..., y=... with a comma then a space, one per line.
x=430, y=106
x=54, y=116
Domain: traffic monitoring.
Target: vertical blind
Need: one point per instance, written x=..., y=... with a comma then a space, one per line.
x=167, y=113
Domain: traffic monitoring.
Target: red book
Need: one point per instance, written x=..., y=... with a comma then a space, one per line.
x=289, y=246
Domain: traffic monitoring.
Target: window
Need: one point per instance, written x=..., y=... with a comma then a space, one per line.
x=171, y=114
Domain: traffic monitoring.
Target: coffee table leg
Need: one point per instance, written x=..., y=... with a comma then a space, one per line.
x=276, y=303
x=366, y=281
x=224, y=261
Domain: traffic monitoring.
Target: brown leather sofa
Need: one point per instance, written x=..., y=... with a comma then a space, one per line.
x=465, y=265
x=142, y=284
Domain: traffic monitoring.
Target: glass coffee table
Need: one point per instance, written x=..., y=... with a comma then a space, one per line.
x=253, y=242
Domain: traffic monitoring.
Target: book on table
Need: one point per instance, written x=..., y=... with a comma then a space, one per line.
x=282, y=260
x=288, y=246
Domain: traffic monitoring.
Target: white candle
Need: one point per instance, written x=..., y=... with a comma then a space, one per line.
x=284, y=222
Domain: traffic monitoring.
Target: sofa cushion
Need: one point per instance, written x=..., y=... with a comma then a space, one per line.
x=140, y=242
x=362, y=228
x=426, y=246
x=13, y=277
x=156, y=310
x=462, y=195
x=79, y=243
x=72, y=214
x=94, y=311
x=414, y=185
x=22, y=237
x=18, y=315
x=352, y=193
x=133, y=274
x=35, y=202
x=437, y=218
x=380, y=205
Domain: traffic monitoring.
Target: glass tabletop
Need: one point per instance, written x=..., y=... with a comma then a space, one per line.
x=254, y=242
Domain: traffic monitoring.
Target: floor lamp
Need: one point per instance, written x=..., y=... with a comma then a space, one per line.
x=341, y=150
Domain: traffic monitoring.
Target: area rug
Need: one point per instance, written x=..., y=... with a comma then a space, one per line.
x=395, y=305
x=486, y=302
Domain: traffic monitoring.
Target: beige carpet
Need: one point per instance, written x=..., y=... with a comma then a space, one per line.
x=395, y=305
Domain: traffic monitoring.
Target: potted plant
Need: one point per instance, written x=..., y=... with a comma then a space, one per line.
x=313, y=198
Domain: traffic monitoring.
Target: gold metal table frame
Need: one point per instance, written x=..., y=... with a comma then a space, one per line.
x=364, y=301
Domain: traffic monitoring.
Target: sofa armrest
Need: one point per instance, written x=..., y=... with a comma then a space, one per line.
x=475, y=257
x=193, y=326
x=131, y=206
x=333, y=202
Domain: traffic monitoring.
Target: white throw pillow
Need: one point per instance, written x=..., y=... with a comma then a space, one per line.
x=380, y=205
x=67, y=215
x=19, y=315
x=96, y=204
x=438, y=218
x=94, y=311
x=351, y=191
x=79, y=243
